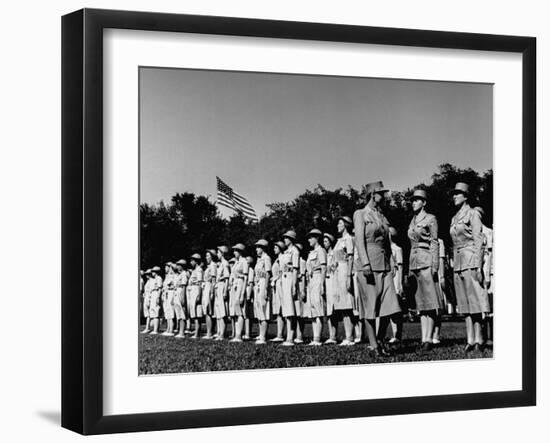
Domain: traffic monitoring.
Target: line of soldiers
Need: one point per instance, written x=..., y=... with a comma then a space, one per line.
x=357, y=280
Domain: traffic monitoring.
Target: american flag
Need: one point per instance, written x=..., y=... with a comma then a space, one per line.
x=229, y=198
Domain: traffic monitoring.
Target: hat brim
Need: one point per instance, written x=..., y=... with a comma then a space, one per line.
x=458, y=191
x=314, y=234
x=418, y=197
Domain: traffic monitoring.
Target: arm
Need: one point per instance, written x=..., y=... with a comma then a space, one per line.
x=434, y=245
x=323, y=267
x=359, y=228
x=349, y=251
x=477, y=233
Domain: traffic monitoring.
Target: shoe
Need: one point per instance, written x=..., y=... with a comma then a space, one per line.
x=315, y=343
x=207, y=337
x=287, y=343
x=478, y=347
x=218, y=338
x=357, y=340
x=489, y=342
x=468, y=348
x=392, y=340
x=330, y=341
x=426, y=346
x=246, y=337
x=298, y=341
x=236, y=340
x=195, y=337
x=277, y=339
x=436, y=341
x=347, y=343
x=153, y=333
x=145, y=331
x=261, y=342
x=167, y=334
x=179, y=336
x=380, y=352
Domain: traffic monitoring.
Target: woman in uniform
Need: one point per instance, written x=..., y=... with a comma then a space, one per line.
x=154, y=298
x=221, y=290
x=301, y=305
x=180, y=297
x=194, y=289
x=248, y=302
x=168, y=291
x=343, y=262
x=262, y=277
x=424, y=266
x=467, y=236
x=237, y=294
x=377, y=297
x=330, y=288
x=277, y=305
x=147, y=300
x=316, y=267
x=207, y=299
x=289, y=262
x=397, y=270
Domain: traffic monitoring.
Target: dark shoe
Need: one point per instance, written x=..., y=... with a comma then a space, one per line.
x=478, y=347
x=426, y=346
x=468, y=348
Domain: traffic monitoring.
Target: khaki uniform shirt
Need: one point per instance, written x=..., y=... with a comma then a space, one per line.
x=372, y=240
x=262, y=267
x=424, y=244
x=466, y=233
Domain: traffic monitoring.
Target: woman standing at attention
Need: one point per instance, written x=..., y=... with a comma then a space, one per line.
x=424, y=266
x=343, y=260
x=330, y=288
x=467, y=237
x=194, y=289
x=277, y=305
x=262, y=276
x=289, y=262
x=220, y=300
x=316, y=268
x=208, y=291
x=237, y=293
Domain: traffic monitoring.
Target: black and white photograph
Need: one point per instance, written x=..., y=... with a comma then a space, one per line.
x=292, y=220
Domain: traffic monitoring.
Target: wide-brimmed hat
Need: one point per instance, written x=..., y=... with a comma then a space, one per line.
x=168, y=263
x=223, y=249
x=345, y=219
x=280, y=244
x=299, y=246
x=461, y=188
x=181, y=262
x=155, y=269
x=148, y=271
x=262, y=243
x=290, y=234
x=420, y=193
x=375, y=187
x=239, y=247
x=315, y=233
x=329, y=236
x=196, y=256
x=212, y=252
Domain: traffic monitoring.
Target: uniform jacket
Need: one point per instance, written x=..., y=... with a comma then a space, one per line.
x=424, y=244
x=372, y=239
x=262, y=267
x=222, y=271
x=196, y=276
x=316, y=258
x=290, y=259
x=466, y=233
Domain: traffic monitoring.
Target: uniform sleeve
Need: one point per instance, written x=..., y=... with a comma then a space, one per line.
x=267, y=263
x=322, y=256
x=441, y=248
x=434, y=244
x=399, y=256
x=349, y=245
x=489, y=239
x=359, y=228
x=295, y=258
x=477, y=233
x=226, y=272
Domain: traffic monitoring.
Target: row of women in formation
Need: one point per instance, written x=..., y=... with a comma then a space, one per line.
x=356, y=280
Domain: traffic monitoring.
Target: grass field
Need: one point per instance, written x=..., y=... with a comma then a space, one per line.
x=162, y=355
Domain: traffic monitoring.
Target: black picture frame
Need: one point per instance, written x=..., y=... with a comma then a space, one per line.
x=82, y=219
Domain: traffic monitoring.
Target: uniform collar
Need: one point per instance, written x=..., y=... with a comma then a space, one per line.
x=421, y=216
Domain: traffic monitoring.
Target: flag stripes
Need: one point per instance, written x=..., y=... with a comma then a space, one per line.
x=230, y=199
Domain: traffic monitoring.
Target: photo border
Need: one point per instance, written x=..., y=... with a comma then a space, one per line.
x=82, y=220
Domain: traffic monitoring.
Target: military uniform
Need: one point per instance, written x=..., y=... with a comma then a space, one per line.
x=222, y=281
x=330, y=282
x=343, y=250
x=276, y=301
x=207, y=299
x=424, y=261
x=168, y=291
x=488, y=262
x=289, y=261
x=302, y=307
x=262, y=305
x=467, y=236
x=147, y=288
x=194, y=287
x=249, y=299
x=239, y=273
x=154, y=298
x=377, y=297
x=179, y=295
x=316, y=258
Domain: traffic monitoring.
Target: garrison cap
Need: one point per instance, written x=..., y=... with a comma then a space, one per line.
x=315, y=233
x=262, y=243
x=375, y=187
x=196, y=256
x=290, y=234
x=239, y=247
x=329, y=236
x=419, y=193
x=461, y=188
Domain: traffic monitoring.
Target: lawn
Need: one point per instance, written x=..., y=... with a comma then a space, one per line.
x=161, y=355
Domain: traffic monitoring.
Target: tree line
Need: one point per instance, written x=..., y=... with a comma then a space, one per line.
x=191, y=223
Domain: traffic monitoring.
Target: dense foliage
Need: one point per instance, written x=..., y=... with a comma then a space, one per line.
x=192, y=223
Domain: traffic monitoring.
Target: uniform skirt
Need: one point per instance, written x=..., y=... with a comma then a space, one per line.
x=207, y=299
x=146, y=304
x=315, y=299
x=428, y=295
x=377, y=297
x=179, y=303
x=262, y=307
x=331, y=288
x=168, y=305
x=249, y=301
x=193, y=301
x=471, y=297
x=344, y=299
x=154, y=304
x=276, y=301
x=220, y=304
x=287, y=297
x=300, y=303
x=237, y=298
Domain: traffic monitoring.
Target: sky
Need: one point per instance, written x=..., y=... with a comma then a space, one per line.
x=272, y=136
